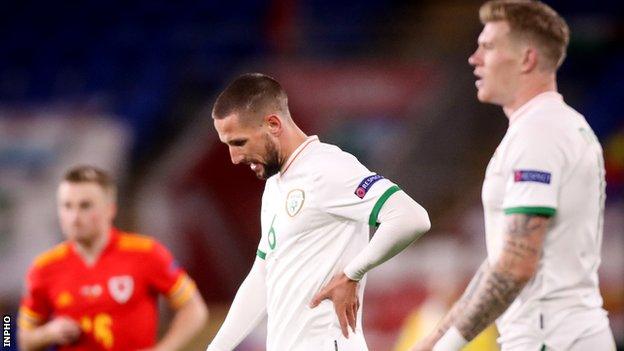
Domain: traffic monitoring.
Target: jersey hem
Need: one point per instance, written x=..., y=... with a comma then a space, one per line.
x=545, y=211
x=372, y=219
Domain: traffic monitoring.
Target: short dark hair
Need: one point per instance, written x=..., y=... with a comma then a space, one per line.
x=92, y=174
x=251, y=94
x=535, y=21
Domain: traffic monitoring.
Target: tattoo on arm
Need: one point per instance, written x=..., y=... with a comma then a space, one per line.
x=450, y=317
x=501, y=284
x=475, y=281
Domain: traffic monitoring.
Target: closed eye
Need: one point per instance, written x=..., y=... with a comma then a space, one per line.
x=487, y=45
x=237, y=142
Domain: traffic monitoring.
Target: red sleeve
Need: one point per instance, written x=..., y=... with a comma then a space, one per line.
x=35, y=307
x=168, y=278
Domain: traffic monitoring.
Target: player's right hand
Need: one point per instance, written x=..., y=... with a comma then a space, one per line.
x=342, y=291
x=63, y=331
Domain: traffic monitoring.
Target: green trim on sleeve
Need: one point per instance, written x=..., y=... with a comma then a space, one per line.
x=544, y=211
x=261, y=254
x=372, y=220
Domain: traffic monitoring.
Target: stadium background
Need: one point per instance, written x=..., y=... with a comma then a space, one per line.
x=127, y=86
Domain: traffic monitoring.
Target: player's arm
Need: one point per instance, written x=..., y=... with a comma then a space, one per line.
x=59, y=331
x=247, y=310
x=401, y=221
x=450, y=317
x=501, y=282
x=190, y=317
x=36, y=330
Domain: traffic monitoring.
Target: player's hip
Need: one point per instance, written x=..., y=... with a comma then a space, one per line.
x=558, y=331
x=329, y=342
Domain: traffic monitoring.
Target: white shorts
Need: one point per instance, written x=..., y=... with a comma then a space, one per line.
x=600, y=341
x=331, y=342
x=355, y=342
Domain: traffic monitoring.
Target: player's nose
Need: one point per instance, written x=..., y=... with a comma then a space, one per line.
x=73, y=217
x=473, y=59
x=236, y=156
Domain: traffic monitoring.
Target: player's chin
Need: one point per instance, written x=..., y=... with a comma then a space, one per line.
x=483, y=95
x=81, y=237
x=260, y=172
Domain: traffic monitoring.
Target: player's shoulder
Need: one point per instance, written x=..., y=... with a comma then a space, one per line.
x=331, y=158
x=553, y=123
x=134, y=242
x=549, y=115
x=56, y=254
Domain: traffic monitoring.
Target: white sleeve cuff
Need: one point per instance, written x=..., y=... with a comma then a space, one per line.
x=214, y=348
x=452, y=340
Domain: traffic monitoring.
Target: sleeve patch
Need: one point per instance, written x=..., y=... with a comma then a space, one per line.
x=28, y=319
x=182, y=291
x=366, y=184
x=521, y=175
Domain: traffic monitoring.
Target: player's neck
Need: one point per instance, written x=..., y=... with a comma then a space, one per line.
x=528, y=91
x=292, y=139
x=90, y=251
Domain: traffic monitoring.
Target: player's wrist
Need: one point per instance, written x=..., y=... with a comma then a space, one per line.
x=452, y=340
x=212, y=347
x=352, y=273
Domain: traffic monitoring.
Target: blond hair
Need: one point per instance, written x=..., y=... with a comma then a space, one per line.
x=535, y=22
x=91, y=174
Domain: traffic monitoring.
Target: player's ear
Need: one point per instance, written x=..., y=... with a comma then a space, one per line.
x=530, y=59
x=274, y=124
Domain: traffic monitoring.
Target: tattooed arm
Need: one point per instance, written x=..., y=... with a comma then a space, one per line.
x=516, y=265
x=495, y=287
x=454, y=312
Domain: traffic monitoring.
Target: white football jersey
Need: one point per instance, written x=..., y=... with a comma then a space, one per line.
x=550, y=162
x=316, y=217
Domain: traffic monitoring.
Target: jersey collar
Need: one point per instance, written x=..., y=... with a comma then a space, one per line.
x=298, y=150
x=113, y=237
x=548, y=95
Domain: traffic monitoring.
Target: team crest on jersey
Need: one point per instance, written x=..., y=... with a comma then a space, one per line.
x=121, y=288
x=294, y=201
x=366, y=184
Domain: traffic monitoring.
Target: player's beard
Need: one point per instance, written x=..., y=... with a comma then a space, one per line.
x=272, y=164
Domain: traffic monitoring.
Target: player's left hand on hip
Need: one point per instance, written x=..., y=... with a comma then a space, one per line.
x=342, y=291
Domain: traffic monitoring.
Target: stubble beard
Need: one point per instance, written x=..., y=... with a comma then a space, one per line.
x=272, y=165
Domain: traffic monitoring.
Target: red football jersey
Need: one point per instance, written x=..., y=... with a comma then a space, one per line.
x=114, y=300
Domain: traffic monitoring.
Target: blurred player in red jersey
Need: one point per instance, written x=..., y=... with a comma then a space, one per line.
x=99, y=289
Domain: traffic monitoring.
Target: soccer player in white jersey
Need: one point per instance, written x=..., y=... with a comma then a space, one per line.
x=543, y=198
x=318, y=206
